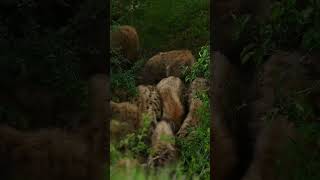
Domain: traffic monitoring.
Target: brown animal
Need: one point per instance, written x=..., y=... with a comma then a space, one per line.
x=171, y=91
x=149, y=102
x=55, y=154
x=163, y=145
x=199, y=85
x=127, y=40
x=126, y=112
x=119, y=130
x=165, y=64
x=128, y=116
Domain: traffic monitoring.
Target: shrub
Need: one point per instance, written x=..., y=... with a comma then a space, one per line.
x=288, y=28
x=195, y=148
x=137, y=143
x=303, y=151
x=200, y=68
x=124, y=79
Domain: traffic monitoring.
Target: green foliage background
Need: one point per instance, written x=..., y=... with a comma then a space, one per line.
x=162, y=26
x=288, y=28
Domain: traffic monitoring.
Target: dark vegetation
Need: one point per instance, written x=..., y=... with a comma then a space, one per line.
x=292, y=28
x=46, y=57
x=49, y=50
x=289, y=27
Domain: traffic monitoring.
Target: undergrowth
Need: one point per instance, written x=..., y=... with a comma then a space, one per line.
x=288, y=28
x=137, y=143
x=200, y=68
x=196, y=161
x=194, y=152
x=124, y=77
x=302, y=152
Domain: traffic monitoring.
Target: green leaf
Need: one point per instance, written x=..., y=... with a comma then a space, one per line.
x=247, y=57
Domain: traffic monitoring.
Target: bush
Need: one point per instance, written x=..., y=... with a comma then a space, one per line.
x=302, y=152
x=288, y=28
x=136, y=144
x=200, y=68
x=124, y=79
x=195, y=148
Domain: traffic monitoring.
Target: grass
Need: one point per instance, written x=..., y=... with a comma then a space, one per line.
x=200, y=68
x=165, y=25
x=138, y=173
x=196, y=161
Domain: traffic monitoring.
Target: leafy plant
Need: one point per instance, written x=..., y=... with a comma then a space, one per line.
x=287, y=28
x=196, y=161
x=200, y=68
x=302, y=153
x=241, y=23
x=135, y=143
x=124, y=79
